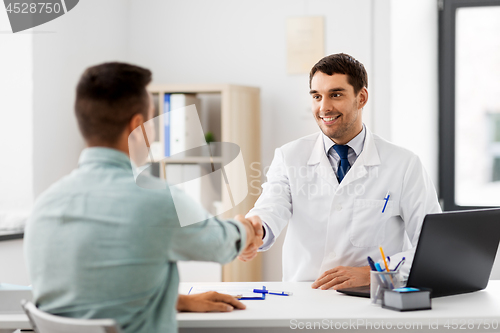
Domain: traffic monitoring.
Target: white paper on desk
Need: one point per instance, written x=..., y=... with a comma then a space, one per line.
x=233, y=291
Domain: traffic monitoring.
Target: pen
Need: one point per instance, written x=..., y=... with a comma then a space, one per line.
x=400, y=263
x=371, y=263
x=378, y=268
x=387, y=196
x=273, y=292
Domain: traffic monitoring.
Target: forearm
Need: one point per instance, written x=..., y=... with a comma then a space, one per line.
x=210, y=301
x=212, y=240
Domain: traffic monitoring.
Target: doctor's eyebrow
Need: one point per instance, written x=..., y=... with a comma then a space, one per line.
x=312, y=92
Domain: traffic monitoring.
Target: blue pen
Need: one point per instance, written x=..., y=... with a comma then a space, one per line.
x=399, y=264
x=272, y=292
x=387, y=196
x=371, y=263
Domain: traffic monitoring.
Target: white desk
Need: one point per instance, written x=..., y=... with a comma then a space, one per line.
x=327, y=307
x=338, y=312
x=11, y=322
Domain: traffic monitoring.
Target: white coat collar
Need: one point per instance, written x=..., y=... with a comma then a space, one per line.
x=369, y=154
x=368, y=157
x=356, y=144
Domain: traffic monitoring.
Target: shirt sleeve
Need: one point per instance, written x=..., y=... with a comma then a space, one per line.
x=212, y=239
x=274, y=205
x=418, y=198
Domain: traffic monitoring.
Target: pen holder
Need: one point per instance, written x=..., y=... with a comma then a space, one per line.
x=381, y=281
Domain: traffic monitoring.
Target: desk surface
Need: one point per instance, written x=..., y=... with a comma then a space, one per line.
x=308, y=305
x=311, y=305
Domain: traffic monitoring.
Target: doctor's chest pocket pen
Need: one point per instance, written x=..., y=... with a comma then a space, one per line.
x=386, y=200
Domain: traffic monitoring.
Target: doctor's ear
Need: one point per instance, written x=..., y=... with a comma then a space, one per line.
x=363, y=97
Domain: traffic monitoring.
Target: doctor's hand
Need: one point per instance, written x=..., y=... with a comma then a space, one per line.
x=208, y=302
x=343, y=277
x=253, y=225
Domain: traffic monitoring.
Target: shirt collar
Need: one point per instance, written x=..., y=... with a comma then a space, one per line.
x=103, y=155
x=357, y=143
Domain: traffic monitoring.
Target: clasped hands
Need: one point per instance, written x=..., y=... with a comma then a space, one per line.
x=254, y=231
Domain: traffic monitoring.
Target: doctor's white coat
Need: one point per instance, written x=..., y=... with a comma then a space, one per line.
x=333, y=225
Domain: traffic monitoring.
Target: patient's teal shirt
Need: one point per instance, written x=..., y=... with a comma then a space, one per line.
x=99, y=246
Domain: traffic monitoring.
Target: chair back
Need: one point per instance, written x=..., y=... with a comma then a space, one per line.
x=43, y=322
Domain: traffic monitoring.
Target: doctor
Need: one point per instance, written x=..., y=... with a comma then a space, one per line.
x=343, y=191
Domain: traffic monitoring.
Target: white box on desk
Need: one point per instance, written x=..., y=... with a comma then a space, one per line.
x=11, y=296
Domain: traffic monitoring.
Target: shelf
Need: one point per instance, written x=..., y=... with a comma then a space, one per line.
x=192, y=160
x=232, y=114
x=198, y=88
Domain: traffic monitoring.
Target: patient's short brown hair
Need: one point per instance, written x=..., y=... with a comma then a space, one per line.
x=107, y=97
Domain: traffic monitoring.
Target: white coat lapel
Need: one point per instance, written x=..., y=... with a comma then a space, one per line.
x=368, y=157
x=319, y=161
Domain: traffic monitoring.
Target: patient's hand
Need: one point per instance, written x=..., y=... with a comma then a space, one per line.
x=253, y=225
x=343, y=277
x=210, y=301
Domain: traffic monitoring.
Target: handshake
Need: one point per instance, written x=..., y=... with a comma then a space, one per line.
x=253, y=228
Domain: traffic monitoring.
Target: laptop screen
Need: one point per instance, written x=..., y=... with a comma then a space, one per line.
x=456, y=251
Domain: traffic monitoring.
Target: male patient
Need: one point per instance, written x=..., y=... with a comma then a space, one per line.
x=99, y=246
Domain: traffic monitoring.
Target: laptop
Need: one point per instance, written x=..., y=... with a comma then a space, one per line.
x=455, y=253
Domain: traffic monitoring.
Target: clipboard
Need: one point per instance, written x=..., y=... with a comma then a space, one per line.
x=242, y=293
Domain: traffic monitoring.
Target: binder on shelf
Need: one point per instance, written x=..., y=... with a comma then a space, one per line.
x=185, y=126
x=166, y=124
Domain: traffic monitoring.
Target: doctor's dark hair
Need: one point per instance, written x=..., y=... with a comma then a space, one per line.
x=342, y=63
x=107, y=97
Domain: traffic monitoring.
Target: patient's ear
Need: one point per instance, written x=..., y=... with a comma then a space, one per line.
x=136, y=121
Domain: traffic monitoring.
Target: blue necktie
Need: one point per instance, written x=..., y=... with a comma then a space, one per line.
x=344, y=166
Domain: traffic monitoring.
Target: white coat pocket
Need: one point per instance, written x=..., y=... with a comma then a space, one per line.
x=369, y=223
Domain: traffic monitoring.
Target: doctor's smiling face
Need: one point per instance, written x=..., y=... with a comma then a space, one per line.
x=338, y=85
x=336, y=107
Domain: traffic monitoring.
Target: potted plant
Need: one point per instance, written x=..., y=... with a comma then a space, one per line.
x=210, y=139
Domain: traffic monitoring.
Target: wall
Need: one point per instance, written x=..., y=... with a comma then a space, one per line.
x=93, y=32
x=16, y=135
x=414, y=79
x=16, y=140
